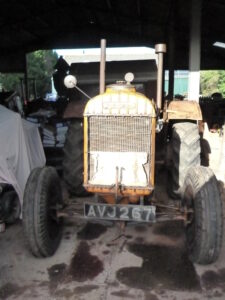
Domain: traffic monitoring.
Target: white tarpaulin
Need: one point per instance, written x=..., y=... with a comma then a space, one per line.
x=21, y=150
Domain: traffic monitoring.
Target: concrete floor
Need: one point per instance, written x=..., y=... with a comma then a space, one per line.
x=103, y=261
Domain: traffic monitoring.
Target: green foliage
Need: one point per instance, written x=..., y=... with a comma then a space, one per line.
x=212, y=82
x=221, y=83
x=10, y=82
x=40, y=66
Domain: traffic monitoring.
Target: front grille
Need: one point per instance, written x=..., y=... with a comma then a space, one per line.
x=119, y=150
x=119, y=134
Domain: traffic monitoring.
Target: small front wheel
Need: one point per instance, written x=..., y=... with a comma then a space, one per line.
x=42, y=227
x=204, y=229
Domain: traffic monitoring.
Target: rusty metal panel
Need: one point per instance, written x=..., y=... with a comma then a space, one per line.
x=189, y=110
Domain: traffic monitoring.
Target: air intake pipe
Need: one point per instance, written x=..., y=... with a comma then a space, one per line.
x=160, y=49
x=102, y=67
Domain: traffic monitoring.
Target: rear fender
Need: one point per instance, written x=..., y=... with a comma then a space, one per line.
x=183, y=110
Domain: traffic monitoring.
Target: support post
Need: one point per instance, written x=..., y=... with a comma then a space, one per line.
x=195, y=51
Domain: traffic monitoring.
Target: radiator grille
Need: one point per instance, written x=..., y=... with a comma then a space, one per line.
x=119, y=134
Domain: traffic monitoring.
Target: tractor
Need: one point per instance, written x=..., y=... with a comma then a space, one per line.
x=117, y=163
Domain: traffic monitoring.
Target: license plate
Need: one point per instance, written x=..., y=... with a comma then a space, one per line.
x=139, y=213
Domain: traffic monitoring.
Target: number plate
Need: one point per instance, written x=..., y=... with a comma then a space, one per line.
x=137, y=213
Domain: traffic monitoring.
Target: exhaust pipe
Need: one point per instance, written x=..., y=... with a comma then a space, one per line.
x=102, y=67
x=160, y=49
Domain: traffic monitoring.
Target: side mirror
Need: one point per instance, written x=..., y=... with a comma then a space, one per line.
x=70, y=81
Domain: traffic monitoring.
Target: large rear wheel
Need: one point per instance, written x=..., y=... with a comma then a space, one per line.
x=42, y=198
x=185, y=154
x=205, y=222
x=73, y=159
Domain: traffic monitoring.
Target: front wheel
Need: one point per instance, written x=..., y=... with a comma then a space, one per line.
x=42, y=197
x=205, y=222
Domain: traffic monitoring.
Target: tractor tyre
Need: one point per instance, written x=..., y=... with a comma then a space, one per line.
x=204, y=227
x=73, y=159
x=41, y=225
x=185, y=154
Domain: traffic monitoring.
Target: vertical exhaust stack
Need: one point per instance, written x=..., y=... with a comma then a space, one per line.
x=160, y=49
x=102, y=67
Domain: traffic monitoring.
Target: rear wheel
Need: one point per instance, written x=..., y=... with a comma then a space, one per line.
x=42, y=198
x=185, y=154
x=205, y=222
x=73, y=159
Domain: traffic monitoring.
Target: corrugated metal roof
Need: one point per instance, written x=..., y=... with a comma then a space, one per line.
x=28, y=25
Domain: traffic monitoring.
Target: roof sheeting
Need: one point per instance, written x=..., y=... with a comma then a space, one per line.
x=27, y=25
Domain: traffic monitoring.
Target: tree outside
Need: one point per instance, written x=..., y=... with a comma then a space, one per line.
x=212, y=82
x=40, y=65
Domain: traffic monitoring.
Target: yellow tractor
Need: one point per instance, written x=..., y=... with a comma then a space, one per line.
x=119, y=140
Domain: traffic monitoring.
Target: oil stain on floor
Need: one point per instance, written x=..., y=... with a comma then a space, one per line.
x=91, y=231
x=85, y=288
x=172, y=229
x=122, y=294
x=56, y=273
x=163, y=267
x=212, y=279
x=84, y=266
x=8, y=290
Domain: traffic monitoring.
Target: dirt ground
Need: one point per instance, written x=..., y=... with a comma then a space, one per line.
x=101, y=260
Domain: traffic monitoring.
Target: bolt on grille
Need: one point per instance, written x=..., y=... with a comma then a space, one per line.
x=119, y=134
